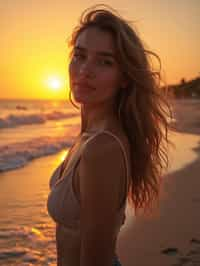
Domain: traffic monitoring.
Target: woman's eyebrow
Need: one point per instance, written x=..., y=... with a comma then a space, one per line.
x=103, y=53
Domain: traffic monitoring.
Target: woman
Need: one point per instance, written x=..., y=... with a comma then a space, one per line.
x=120, y=151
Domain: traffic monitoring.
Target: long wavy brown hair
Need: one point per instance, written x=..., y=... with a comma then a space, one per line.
x=143, y=107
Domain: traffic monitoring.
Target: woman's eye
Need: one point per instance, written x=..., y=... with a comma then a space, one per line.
x=78, y=56
x=105, y=62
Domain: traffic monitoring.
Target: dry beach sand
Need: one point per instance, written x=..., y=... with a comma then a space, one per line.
x=171, y=236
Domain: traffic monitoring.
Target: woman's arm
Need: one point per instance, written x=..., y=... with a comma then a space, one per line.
x=101, y=169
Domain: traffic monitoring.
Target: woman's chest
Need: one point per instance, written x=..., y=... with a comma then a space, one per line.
x=71, y=166
x=73, y=154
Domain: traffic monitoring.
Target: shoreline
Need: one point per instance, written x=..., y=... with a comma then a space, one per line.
x=171, y=236
x=174, y=224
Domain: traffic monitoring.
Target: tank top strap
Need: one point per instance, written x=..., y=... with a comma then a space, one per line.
x=62, y=167
x=62, y=170
x=125, y=156
x=122, y=148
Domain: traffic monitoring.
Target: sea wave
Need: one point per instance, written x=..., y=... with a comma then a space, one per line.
x=28, y=249
x=14, y=120
x=19, y=154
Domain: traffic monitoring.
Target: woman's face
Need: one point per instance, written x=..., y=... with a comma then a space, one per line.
x=94, y=72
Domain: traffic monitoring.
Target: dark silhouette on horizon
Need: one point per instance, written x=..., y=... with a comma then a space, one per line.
x=186, y=89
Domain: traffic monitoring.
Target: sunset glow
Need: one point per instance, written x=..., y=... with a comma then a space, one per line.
x=54, y=83
x=34, y=51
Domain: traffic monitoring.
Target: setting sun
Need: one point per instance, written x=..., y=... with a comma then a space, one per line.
x=54, y=83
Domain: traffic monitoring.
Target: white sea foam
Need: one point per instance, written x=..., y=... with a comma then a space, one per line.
x=18, y=154
x=28, y=250
x=14, y=120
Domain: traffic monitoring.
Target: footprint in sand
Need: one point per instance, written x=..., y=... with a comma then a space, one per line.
x=195, y=241
x=170, y=251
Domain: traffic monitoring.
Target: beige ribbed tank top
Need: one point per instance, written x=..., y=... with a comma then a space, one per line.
x=62, y=204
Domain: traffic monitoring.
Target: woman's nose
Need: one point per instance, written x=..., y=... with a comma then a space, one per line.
x=87, y=69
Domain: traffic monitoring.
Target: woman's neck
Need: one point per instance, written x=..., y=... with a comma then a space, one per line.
x=98, y=118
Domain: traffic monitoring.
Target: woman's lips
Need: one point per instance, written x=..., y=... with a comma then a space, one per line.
x=83, y=87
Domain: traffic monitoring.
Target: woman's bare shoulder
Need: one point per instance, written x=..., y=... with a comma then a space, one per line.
x=104, y=141
x=102, y=153
x=100, y=143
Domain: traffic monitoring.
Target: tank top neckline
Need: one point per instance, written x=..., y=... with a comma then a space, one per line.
x=67, y=170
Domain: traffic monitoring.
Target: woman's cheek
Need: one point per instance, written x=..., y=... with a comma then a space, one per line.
x=72, y=71
x=71, y=75
x=111, y=79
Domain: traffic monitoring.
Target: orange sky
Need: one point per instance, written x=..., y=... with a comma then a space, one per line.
x=33, y=41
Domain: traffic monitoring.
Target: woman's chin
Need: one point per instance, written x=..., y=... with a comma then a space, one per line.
x=81, y=99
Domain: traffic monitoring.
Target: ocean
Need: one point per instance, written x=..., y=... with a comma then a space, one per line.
x=31, y=129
